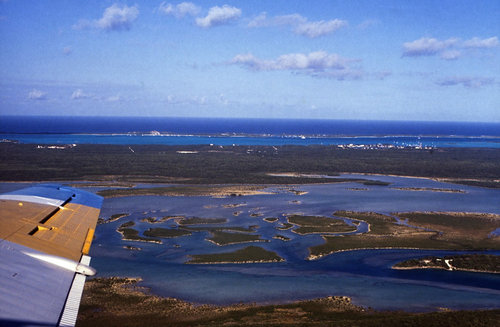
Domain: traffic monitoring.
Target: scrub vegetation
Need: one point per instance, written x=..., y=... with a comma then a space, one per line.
x=250, y=254
x=426, y=230
x=224, y=238
x=240, y=164
x=131, y=234
x=469, y=262
x=315, y=225
x=166, y=232
x=120, y=302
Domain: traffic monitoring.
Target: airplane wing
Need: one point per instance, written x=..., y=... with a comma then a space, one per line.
x=45, y=236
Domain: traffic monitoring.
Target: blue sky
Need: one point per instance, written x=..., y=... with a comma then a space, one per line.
x=383, y=60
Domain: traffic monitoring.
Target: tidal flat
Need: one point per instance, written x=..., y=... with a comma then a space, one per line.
x=383, y=225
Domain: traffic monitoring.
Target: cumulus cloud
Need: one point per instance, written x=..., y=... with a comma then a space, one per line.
x=426, y=46
x=79, y=94
x=319, y=28
x=263, y=21
x=180, y=10
x=114, y=18
x=468, y=82
x=450, y=49
x=316, y=64
x=219, y=16
x=476, y=42
x=300, y=25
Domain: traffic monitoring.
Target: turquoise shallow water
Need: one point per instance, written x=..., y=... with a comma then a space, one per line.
x=229, y=131
x=400, y=141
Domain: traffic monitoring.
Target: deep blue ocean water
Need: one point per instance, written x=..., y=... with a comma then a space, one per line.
x=228, y=131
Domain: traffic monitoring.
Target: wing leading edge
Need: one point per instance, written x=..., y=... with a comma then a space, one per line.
x=45, y=236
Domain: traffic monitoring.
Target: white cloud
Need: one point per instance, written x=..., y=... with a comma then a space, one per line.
x=317, y=61
x=180, y=10
x=37, y=95
x=114, y=98
x=300, y=24
x=316, y=64
x=320, y=28
x=426, y=46
x=468, y=82
x=114, y=18
x=476, y=42
x=79, y=94
x=450, y=54
x=219, y=16
x=118, y=18
x=450, y=49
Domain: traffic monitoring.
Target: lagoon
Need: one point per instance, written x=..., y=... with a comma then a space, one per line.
x=364, y=275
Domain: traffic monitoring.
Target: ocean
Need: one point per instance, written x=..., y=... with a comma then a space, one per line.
x=238, y=131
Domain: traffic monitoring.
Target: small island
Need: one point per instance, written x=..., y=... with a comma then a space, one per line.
x=250, y=254
x=166, y=232
x=281, y=237
x=202, y=221
x=112, y=218
x=224, y=238
x=318, y=225
x=486, y=263
x=130, y=234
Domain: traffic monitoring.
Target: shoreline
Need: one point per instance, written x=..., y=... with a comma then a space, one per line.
x=116, y=301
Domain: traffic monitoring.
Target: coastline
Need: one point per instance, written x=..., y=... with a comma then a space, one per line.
x=122, y=302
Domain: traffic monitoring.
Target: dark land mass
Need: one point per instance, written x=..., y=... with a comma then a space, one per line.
x=487, y=263
x=166, y=232
x=250, y=254
x=426, y=230
x=240, y=164
x=120, y=302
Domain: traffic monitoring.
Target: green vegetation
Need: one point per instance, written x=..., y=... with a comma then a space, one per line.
x=250, y=254
x=249, y=229
x=113, y=218
x=468, y=231
x=117, y=216
x=202, y=221
x=379, y=224
x=197, y=190
x=224, y=238
x=130, y=234
x=120, y=302
x=166, y=232
x=271, y=219
x=447, y=231
x=239, y=164
x=314, y=224
x=375, y=183
x=127, y=224
x=471, y=262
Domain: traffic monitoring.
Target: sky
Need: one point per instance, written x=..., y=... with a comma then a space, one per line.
x=328, y=59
